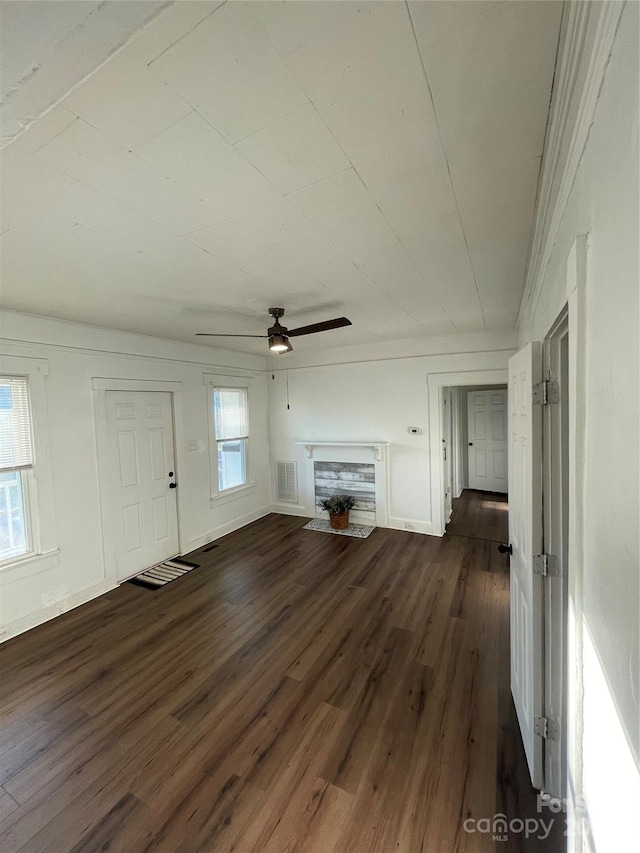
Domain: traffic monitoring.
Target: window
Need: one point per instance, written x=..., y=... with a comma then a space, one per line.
x=16, y=468
x=231, y=419
x=229, y=398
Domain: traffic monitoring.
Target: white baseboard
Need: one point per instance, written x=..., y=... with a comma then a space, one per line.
x=303, y=512
x=50, y=611
x=413, y=526
x=290, y=509
x=410, y=524
x=229, y=527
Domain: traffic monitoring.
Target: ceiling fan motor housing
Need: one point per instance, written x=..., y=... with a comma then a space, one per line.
x=276, y=329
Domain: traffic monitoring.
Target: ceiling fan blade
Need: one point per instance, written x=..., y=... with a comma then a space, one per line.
x=319, y=327
x=224, y=335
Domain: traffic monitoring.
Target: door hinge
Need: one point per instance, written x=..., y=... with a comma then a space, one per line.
x=545, y=728
x=546, y=392
x=545, y=565
x=541, y=726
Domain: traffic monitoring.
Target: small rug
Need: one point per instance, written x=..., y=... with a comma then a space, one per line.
x=360, y=531
x=163, y=573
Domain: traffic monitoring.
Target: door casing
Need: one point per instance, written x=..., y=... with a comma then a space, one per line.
x=436, y=382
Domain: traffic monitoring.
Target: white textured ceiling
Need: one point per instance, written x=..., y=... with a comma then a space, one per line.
x=46, y=48
x=372, y=159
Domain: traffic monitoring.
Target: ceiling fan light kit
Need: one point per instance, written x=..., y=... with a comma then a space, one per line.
x=279, y=344
x=278, y=336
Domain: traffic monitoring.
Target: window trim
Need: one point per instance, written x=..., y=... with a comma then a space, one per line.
x=39, y=488
x=216, y=495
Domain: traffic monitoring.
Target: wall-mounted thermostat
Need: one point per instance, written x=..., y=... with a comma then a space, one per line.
x=414, y=430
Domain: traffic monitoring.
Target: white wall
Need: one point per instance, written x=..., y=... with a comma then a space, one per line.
x=603, y=204
x=374, y=400
x=75, y=355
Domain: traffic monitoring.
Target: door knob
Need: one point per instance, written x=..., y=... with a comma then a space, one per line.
x=505, y=549
x=173, y=485
x=470, y=444
x=170, y=474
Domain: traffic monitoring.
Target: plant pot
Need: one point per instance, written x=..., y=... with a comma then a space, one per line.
x=339, y=521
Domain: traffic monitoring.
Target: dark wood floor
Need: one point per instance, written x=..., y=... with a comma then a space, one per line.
x=297, y=692
x=480, y=515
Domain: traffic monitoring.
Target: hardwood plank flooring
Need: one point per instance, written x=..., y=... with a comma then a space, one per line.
x=480, y=515
x=298, y=692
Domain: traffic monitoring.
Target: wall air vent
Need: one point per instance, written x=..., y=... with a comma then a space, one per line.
x=286, y=482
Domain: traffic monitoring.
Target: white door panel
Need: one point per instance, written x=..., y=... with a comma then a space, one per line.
x=127, y=459
x=525, y=536
x=487, y=426
x=157, y=455
x=131, y=528
x=500, y=465
x=141, y=446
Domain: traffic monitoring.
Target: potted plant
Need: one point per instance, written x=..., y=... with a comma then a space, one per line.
x=338, y=507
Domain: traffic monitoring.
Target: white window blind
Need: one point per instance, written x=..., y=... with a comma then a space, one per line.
x=16, y=446
x=231, y=420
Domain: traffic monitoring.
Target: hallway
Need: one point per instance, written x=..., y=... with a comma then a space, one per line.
x=299, y=691
x=480, y=515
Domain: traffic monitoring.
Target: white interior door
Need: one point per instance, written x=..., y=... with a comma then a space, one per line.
x=525, y=535
x=446, y=452
x=142, y=463
x=457, y=481
x=487, y=436
x=555, y=490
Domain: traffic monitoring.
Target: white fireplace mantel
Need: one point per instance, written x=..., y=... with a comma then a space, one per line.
x=378, y=446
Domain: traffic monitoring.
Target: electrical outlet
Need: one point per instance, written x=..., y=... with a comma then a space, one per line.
x=192, y=445
x=408, y=526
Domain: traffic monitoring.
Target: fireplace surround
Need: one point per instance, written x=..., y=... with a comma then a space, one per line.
x=349, y=467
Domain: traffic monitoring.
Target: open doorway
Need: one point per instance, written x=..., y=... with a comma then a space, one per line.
x=475, y=474
x=483, y=438
x=448, y=415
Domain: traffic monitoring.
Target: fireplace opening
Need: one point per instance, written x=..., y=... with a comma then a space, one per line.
x=348, y=478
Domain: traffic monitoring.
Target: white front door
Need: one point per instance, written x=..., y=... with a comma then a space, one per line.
x=487, y=431
x=525, y=537
x=142, y=463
